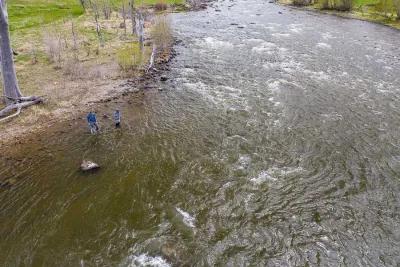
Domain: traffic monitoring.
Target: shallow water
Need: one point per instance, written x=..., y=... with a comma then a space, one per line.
x=275, y=142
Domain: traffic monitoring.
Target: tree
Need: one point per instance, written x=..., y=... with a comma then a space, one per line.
x=133, y=16
x=12, y=95
x=396, y=4
x=11, y=89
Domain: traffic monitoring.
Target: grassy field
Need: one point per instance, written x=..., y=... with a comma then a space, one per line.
x=25, y=14
x=39, y=26
x=30, y=13
x=358, y=3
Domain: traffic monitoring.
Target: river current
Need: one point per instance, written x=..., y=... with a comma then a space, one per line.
x=274, y=142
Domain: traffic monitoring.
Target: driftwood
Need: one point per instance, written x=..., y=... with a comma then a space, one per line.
x=152, y=57
x=20, y=103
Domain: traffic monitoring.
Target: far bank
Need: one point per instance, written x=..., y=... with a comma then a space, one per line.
x=376, y=11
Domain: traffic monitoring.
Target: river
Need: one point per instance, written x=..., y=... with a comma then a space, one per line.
x=275, y=142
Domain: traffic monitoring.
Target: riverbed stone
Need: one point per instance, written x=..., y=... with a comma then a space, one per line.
x=88, y=165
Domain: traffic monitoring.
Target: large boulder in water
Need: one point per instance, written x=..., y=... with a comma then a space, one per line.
x=88, y=165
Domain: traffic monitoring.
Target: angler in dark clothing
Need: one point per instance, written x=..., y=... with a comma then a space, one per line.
x=92, y=121
x=117, y=118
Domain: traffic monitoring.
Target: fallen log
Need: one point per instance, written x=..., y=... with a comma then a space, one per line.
x=20, y=103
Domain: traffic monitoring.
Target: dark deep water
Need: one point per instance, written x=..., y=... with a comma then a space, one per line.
x=275, y=142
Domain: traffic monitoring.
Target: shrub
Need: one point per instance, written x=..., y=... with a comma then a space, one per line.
x=340, y=5
x=53, y=47
x=302, y=2
x=325, y=4
x=161, y=33
x=343, y=5
x=160, y=6
x=130, y=57
x=396, y=4
x=73, y=68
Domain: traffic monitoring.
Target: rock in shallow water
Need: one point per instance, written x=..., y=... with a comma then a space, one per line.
x=88, y=165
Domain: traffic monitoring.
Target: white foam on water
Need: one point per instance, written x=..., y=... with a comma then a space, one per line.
x=285, y=171
x=277, y=123
x=255, y=40
x=188, y=220
x=333, y=116
x=186, y=71
x=244, y=161
x=275, y=174
x=216, y=44
x=264, y=47
x=282, y=50
x=222, y=96
x=280, y=35
x=320, y=75
x=274, y=24
x=289, y=66
x=270, y=28
x=296, y=28
x=327, y=36
x=271, y=65
x=324, y=46
x=274, y=85
x=144, y=260
x=262, y=177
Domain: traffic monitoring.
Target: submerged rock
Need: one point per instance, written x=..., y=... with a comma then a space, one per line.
x=8, y=183
x=88, y=165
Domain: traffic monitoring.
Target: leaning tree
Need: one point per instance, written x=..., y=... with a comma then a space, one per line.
x=12, y=95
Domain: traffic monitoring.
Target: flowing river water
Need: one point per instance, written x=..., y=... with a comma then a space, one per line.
x=275, y=142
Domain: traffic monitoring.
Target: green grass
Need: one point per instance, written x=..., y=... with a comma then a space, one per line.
x=31, y=13
x=118, y=3
x=129, y=57
x=358, y=3
x=24, y=14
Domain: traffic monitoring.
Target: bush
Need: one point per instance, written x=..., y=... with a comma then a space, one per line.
x=160, y=6
x=343, y=5
x=340, y=5
x=53, y=47
x=302, y=2
x=396, y=4
x=161, y=33
x=130, y=57
x=73, y=68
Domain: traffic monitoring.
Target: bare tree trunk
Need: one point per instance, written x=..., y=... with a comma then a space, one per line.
x=133, y=16
x=152, y=57
x=10, y=82
x=140, y=29
x=12, y=95
x=124, y=16
x=83, y=4
x=397, y=6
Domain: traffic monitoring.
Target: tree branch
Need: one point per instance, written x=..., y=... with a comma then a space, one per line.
x=26, y=102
